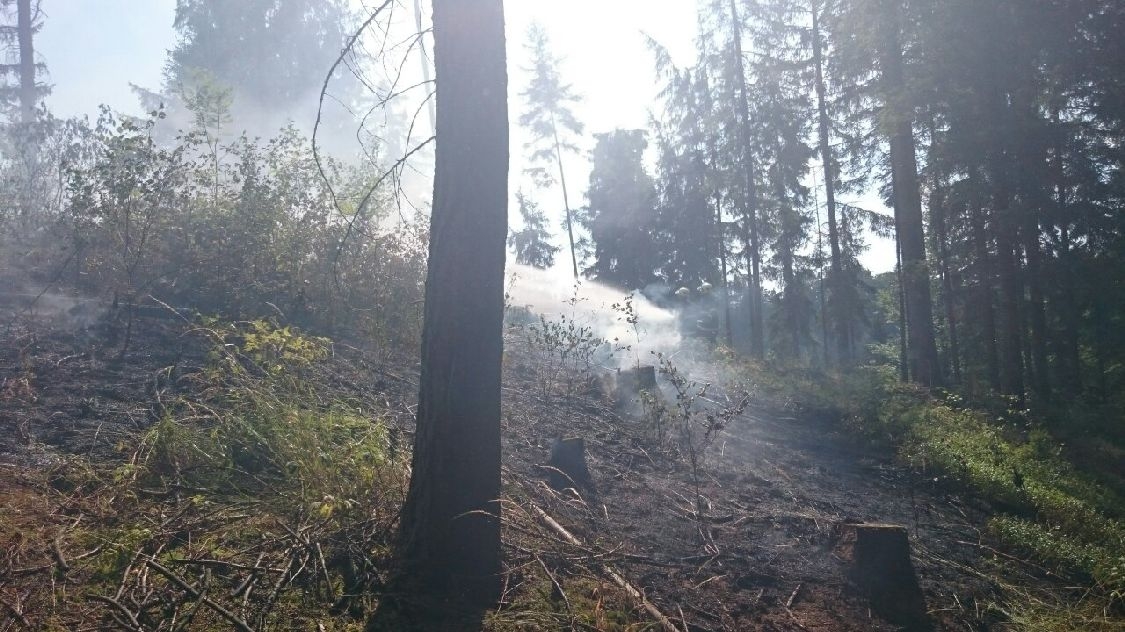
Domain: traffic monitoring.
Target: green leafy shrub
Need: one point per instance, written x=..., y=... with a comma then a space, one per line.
x=262, y=432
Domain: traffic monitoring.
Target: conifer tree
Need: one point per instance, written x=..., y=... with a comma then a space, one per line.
x=552, y=125
x=532, y=244
x=620, y=215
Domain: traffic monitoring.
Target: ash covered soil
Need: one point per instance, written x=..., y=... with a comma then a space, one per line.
x=779, y=488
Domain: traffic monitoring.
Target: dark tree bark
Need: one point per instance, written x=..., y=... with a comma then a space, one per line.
x=1041, y=383
x=839, y=314
x=1031, y=153
x=986, y=315
x=922, y=348
x=750, y=204
x=1011, y=295
x=450, y=545
x=1070, y=356
x=938, y=212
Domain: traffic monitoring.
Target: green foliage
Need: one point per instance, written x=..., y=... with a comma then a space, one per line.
x=1047, y=507
x=568, y=350
x=548, y=116
x=621, y=213
x=276, y=347
x=532, y=244
x=242, y=229
x=269, y=52
x=265, y=433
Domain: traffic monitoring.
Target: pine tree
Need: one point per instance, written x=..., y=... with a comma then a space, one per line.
x=23, y=89
x=532, y=244
x=450, y=546
x=551, y=123
x=620, y=215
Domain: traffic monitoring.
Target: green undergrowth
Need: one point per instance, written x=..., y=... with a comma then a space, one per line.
x=1044, y=506
x=261, y=426
x=257, y=462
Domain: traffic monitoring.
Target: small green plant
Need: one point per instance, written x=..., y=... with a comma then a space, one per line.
x=627, y=312
x=276, y=348
x=696, y=420
x=569, y=350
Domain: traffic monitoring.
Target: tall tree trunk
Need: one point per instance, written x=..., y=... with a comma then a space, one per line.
x=750, y=204
x=986, y=315
x=822, y=300
x=922, y=348
x=566, y=199
x=1034, y=175
x=785, y=253
x=451, y=519
x=1070, y=356
x=840, y=315
x=1037, y=305
x=25, y=33
x=1011, y=295
x=1001, y=156
x=903, y=325
x=941, y=237
x=721, y=241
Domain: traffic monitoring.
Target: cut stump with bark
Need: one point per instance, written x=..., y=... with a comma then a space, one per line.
x=879, y=559
x=567, y=465
x=632, y=382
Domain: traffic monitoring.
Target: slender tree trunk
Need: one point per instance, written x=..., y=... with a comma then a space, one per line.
x=566, y=199
x=986, y=316
x=721, y=241
x=424, y=61
x=1038, y=317
x=840, y=314
x=922, y=349
x=785, y=253
x=1070, y=356
x=451, y=519
x=754, y=254
x=820, y=253
x=938, y=217
x=1011, y=294
x=903, y=323
x=25, y=33
x=1033, y=177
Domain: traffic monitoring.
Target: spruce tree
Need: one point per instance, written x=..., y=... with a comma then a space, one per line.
x=552, y=125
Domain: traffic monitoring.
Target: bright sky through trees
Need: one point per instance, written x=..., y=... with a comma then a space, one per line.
x=601, y=45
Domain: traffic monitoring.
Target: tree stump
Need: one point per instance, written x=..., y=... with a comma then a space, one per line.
x=567, y=465
x=634, y=381
x=879, y=558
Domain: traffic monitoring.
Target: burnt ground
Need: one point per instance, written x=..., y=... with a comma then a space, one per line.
x=765, y=555
x=780, y=489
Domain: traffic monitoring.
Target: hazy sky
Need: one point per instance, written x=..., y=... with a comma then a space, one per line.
x=95, y=48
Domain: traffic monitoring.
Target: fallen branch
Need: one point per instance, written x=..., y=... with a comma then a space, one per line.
x=222, y=612
x=133, y=622
x=793, y=597
x=617, y=578
x=17, y=613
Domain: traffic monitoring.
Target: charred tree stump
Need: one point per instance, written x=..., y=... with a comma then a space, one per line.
x=634, y=381
x=879, y=555
x=567, y=465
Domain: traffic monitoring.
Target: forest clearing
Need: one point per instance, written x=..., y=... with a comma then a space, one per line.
x=359, y=315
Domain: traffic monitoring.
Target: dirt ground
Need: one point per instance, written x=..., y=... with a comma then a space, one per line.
x=778, y=488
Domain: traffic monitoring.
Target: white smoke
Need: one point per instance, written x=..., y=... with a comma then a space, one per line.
x=554, y=294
